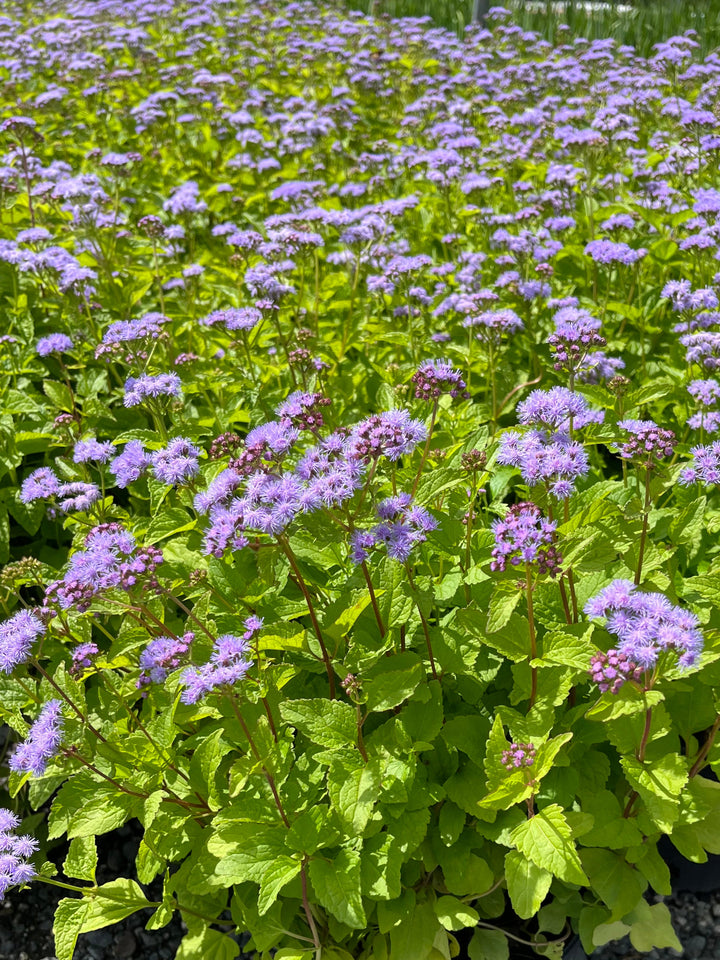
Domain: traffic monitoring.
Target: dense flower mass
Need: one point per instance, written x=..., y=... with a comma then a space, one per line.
x=402, y=526
x=647, y=441
x=228, y=663
x=518, y=755
x=299, y=309
x=15, y=853
x=646, y=624
x=525, y=536
x=17, y=636
x=42, y=742
x=111, y=559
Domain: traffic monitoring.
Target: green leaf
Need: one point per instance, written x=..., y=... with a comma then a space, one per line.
x=505, y=597
x=204, y=765
x=652, y=927
x=81, y=859
x=112, y=903
x=488, y=945
x=246, y=850
x=396, y=680
x=207, y=943
x=453, y=914
x=166, y=523
x=84, y=807
x=659, y=785
x=279, y=873
x=337, y=884
x=687, y=526
x=69, y=917
x=546, y=839
x=353, y=792
x=565, y=650
x=615, y=881
x=450, y=823
x=413, y=939
x=527, y=884
x=328, y=723
x=382, y=858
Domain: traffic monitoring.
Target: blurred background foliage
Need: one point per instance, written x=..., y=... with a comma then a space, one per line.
x=640, y=23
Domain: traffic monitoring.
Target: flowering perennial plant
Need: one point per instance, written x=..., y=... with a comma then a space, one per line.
x=358, y=491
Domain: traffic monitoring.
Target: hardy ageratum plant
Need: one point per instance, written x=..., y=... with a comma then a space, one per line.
x=337, y=555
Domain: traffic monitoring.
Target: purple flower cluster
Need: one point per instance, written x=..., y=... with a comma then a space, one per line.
x=17, y=635
x=573, y=346
x=111, y=559
x=83, y=656
x=558, y=410
x=53, y=343
x=647, y=441
x=42, y=484
x=608, y=251
x=494, y=324
x=611, y=670
x=146, y=387
x=162, y=655
x=14, y=853
x=130, y=465
x=525, y=536
x=234, y=318
x=518, y=755
x=646, y=624
x=177, y=462
x=552, y=459
x=402, y=526
x=702, y=348
x=92, y=451
x=706, y=394
x=705, y=465
x=42, y=742
x=434, y=378
x=228, y=663
x=303, y=410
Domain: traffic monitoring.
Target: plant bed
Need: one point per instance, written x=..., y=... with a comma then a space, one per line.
x=359, y=496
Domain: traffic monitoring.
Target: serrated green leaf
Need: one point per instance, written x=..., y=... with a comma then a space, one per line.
x=505, y=597
x=546, y=839
x=659, y=785
x=277, y=875
x=337, y=884
x=207, y=943
x=527, y=883
x=652, y=927
x=453, y=914
x=614, y=880
x=328, y=723
x=397, y=679
x=353, y=792
x=81, y=859
x=69, y=917
x=488, y=945
x=246, y=850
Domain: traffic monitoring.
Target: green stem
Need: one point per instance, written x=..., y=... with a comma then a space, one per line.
x=285, y=546
x=533, y=638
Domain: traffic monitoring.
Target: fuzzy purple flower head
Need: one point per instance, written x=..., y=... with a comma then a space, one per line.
x=228, y=663
x=53, y=343
x=518, y=755
x=647, y=624
x=434, y=378
x=17, y=636
x=647, y=441
x=15, y=851
x=140, y=389
x=525, y=536
x=42, y=743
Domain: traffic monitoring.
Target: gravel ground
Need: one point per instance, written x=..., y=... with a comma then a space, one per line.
x=26, y=917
